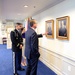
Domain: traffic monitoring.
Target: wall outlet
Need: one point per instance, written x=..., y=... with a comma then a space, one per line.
x=69, y=68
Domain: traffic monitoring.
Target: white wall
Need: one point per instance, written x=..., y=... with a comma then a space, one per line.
x=0, y=33
x=0, y=9
x=66, y=8
x=0, y=22
x=63, y=48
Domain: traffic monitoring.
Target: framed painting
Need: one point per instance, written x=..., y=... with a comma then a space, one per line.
x=50, y=28
x=62, y=28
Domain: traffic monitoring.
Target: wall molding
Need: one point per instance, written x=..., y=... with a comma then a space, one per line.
x=62, y=55
x=57, y=56
x=52, y=67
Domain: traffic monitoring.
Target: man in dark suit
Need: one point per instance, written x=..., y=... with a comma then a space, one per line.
x=17, y=43
x=31, y=48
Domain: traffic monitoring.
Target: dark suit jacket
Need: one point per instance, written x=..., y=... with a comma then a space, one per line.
x=31, y=44
x=16, y=39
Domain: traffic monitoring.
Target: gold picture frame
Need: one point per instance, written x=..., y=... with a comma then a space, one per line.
x=62, y=28
x=50, y=28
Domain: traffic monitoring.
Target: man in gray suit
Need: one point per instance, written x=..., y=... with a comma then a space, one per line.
x=31, y=48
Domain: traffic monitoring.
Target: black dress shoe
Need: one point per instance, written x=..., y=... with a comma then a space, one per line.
x=16, y=74
x=21, y=69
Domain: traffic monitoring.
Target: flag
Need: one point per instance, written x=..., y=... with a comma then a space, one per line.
x=27, y=26
x=27, y=23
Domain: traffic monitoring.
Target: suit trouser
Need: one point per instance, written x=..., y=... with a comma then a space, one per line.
x=17, y=56
x=32, y=66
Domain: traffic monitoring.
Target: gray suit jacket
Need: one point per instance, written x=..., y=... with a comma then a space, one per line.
x=31, y=44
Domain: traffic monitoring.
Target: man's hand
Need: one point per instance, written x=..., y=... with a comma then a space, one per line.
x=45, y=33
x=23, y=31
x=21, y=46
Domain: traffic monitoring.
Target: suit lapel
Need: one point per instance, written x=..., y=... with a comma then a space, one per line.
x=17, y=33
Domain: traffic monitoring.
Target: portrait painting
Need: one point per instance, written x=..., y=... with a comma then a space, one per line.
x=50, y=28
x=62, y=28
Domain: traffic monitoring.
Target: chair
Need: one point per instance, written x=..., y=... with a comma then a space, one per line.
x=4, y=40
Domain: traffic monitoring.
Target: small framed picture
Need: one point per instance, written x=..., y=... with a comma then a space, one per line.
x=50, y=28
x=62, y=28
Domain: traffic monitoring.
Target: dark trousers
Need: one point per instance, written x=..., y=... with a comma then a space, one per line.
x=18, y=59
x=32, y=66
x=17, y=56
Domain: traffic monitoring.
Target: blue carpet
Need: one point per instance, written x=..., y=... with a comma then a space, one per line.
x=6, y=64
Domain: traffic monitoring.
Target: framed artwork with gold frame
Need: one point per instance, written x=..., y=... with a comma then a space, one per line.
x=50, y=28
x=62, y=28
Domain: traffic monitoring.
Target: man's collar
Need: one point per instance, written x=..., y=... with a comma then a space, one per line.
x=17, y=29
x=32, y=28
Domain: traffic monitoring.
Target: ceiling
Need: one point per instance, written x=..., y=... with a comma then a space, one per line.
x=15, y=10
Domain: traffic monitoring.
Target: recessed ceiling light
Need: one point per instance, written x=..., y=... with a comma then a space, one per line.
x=18, y=14
x=26, y=6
